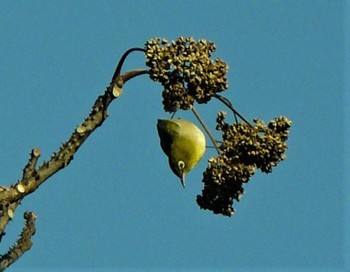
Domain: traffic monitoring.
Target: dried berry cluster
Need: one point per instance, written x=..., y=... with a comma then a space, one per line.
x=185, y=70
x=244, y=149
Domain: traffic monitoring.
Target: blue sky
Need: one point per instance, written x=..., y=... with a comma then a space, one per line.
x=118, y=206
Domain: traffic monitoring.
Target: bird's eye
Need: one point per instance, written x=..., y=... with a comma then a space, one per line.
x=181, y=165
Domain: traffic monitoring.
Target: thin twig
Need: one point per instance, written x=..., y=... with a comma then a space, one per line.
x=214, y=141
x=133, y=73
x=230, y=106
x=121, y=62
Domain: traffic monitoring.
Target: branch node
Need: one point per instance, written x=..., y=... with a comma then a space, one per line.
x=3, y=188
x=117, y=91
x=36, y=152
x=20, y=188
x=29, y=169
x=10, y=213
x=81, y=129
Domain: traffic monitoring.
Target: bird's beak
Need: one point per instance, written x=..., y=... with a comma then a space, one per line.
x=182, y=179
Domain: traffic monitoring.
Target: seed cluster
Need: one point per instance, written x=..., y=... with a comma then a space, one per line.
x=244, y=149
x=185, y=70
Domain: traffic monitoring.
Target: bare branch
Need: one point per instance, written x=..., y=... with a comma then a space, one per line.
x=33, y=178
x=7, y=211
x=23, y=244
x=29, y=169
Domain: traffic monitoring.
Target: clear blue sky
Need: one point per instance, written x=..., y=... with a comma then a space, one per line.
x=118, y=206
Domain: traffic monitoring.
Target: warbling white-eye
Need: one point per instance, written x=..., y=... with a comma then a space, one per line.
x=184, y=144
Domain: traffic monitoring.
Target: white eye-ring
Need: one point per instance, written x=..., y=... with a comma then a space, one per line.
x=181, y=165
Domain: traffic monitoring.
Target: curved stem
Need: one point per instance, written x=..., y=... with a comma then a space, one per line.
x=133, y=73
x=122, y=60
x=228, y=104
x=214, y=141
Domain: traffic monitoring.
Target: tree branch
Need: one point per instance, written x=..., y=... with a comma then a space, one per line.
x=6, y=214
x=23, y=244
x=33, y=178
x=207, y=130
x=121, y=62
x=228, y=104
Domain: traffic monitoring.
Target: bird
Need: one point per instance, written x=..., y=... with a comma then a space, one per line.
x=184, y=144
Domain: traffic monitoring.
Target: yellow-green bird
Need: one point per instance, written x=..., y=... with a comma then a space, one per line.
x=184, y=144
